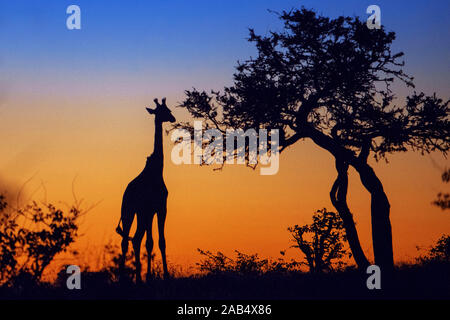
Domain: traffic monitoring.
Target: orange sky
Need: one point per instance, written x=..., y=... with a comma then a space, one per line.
x=55, y=140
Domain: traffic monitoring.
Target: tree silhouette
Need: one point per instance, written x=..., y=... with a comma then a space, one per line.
x=322, y=242
x=10, y=242
x=443, y=199
x=31, y=237
x=329, y=80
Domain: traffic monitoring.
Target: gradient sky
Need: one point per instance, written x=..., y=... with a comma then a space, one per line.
x=72, y=106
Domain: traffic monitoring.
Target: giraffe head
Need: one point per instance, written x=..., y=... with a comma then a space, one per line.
x=162, y=112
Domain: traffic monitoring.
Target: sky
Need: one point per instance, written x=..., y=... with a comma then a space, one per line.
x=72, y=117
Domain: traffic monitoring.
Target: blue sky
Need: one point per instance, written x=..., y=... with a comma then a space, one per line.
x=186, y=43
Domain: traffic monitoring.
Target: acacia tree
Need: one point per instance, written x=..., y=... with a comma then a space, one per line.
x=329, y=80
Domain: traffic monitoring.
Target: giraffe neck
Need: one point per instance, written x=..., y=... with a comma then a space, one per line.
x=158, y=154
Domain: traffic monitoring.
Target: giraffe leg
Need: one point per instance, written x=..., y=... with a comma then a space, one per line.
x=162, y=240
x=137, y=240
x=149, y=247
x=127, y=221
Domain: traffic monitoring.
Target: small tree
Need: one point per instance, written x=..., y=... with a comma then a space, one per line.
x=322, y=242
x=53, y=231
x=31, y=237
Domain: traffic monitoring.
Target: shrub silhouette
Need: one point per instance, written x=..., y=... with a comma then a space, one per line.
x=322, y=242
x=10, y=242
x=31, y=237
x=440, y=252
x=243, y=264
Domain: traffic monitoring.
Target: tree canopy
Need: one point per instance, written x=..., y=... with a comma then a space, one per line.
x=329, y=78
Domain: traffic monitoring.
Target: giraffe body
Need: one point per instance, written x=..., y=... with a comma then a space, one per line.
x=145, y=196
x=138, y=194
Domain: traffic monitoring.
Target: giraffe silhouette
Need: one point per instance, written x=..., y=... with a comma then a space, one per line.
x=145, y=196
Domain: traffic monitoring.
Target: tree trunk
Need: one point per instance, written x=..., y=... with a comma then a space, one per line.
x=338, y=196
x=381, y=225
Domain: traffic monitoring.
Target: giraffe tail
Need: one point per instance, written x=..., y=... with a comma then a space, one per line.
x=121, y=233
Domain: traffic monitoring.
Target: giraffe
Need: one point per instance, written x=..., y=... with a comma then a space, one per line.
x=145, y=196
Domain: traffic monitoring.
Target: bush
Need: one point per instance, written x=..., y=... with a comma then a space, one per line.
x=440, y=252
x=244, y=264
x=28, y=247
